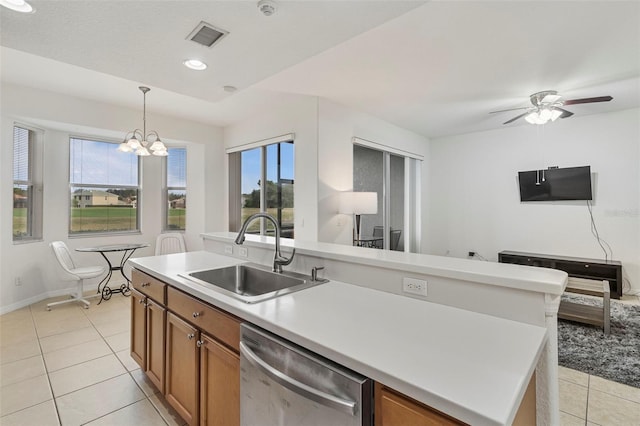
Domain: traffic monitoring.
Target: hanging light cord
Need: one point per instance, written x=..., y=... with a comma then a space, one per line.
x=594, y=230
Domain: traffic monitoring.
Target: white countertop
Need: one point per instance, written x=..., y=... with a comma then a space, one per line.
x=471, y=366
x=542, y=280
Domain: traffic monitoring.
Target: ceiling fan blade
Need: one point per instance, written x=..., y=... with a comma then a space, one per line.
x=510, y=109
x=516, y=117
x=587, y=100
x=565, y=113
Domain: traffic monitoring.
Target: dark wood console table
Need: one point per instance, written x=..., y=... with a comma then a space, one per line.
x=577, y=267
x=586, y=276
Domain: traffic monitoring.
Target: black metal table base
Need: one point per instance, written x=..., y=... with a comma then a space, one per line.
x=103, y=286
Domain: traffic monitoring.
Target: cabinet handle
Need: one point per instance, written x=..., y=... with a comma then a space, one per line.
x=146, y=284
x=196, y=314
x=190, y=336
x=141, y=301
x=199, y=343
x=586, y=266
x=148, y=304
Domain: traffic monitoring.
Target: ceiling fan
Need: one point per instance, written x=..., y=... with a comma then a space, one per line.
x=547, y=106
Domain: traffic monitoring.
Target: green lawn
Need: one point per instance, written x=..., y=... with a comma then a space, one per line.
x=103, y=219
x=177, y=219
x=287, y=218
x=100, y=219
x=19, y=221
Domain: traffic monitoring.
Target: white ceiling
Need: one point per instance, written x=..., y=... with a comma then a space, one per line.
x=436, y=68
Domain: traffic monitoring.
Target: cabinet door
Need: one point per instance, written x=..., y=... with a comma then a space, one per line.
x=392, y=409
x=138, y=328
x=219, y=384
x=156, y=315
x=181, y=380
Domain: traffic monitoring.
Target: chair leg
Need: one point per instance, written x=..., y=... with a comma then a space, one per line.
x=77, y=296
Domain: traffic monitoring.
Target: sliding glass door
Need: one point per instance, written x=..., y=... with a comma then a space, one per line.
x=394, y=178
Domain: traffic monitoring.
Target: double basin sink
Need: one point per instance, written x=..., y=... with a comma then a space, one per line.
x=251, y=283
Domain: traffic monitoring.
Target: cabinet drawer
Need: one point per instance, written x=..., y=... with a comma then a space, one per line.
x=148, y=285
x=222, y=326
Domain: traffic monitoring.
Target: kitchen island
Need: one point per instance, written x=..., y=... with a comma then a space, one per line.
x=468, y=365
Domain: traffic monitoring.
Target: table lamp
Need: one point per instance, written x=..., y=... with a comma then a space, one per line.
x=357, y=203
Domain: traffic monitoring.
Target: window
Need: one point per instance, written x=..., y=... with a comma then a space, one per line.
x=27, y=193
x=175, y=194
x=273, y=164
x=104, y=188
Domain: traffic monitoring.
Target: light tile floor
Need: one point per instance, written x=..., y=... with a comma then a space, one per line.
x=71, y=366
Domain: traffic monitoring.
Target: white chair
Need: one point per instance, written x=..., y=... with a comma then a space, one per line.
x=170, y=242
x=74, y=273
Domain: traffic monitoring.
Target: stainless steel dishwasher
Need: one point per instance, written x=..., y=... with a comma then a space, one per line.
x=284, y=384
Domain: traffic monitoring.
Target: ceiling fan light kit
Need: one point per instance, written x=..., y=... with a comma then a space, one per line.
x=543, y=116
x=18, y=5
x=547, y=106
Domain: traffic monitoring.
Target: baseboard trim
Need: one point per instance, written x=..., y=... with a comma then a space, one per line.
x=42, y=296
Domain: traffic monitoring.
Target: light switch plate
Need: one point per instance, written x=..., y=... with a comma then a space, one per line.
x=228, y=249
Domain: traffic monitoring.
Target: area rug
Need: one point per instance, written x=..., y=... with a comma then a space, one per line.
x=586, y=348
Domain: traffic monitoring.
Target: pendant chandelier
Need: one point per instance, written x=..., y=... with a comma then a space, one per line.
x=138, y=140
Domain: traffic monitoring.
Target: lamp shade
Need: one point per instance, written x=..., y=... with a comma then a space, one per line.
x=358, y=203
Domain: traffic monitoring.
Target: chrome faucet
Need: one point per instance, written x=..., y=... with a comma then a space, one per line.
x=278, y=259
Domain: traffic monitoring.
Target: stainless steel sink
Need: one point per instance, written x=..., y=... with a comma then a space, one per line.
x=251, y=283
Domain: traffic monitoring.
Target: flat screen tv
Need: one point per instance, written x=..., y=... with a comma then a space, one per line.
x=555, y=184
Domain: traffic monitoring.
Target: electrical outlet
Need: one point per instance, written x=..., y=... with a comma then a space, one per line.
x=414, y=286
x=17, y=281
x=228, y=249
x=242, y=251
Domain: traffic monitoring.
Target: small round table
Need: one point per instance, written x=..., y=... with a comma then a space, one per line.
x=128, y=249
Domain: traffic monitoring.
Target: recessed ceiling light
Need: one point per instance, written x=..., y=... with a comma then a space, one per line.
x=17, y=5
x=195, y=64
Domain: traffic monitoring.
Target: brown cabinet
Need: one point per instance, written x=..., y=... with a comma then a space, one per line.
x=213, y=321
x=148, y=319
x=217, y=364
x=138, y=329
x=188, y=349
x=156, y=315
x=219, y=384
x=393, y=408
x=182, y=368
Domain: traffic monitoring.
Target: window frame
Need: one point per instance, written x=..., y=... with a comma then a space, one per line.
x=33, y=183
x=234, y=156
x=71, y=185
x=166, y=188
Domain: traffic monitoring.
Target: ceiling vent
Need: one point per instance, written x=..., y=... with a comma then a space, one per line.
x=206, y=34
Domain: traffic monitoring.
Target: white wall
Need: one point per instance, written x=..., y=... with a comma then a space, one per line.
x=337, y=126
x=59, y=116
x=293, y=114
x=323, y=156
x=474, y=196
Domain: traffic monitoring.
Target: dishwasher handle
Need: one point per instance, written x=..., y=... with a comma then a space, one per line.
x=296, y=386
